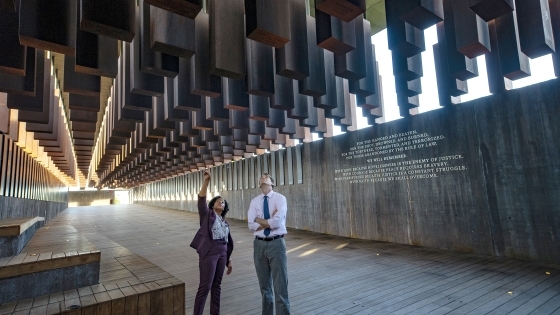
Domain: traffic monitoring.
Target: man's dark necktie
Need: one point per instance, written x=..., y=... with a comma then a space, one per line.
x=266, y=214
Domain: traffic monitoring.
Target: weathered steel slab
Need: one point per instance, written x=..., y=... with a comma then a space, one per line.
x=222, y=129
x=202, y=81
x=403, y=37
x=283, y=93
x=199, y=120
x=259, y=107
x=260, y=71
x=79, y=83
x=421, y=13
x=342, y=100
x=312, y=119
x=83, y=102
x=50, y=129
x=368, y=85
x=238, y=119
x=55, y=27
x=96, y=54
x=471, y=31
x=491, y=9
x=352, y=65
x=171, y=33
x=301, y=104
x=183, y=98
x=460, y=66
x=115, y=19
x=266, y=22
x=514, y=63
x=346, y=10
x=151, y=61
x=227, y=38
x=292, y=60
x=536, y=37
x=34, y=75
x=333, y=34
x=329, y=99
x=13, y=53
x=235, y=94
x=44, y=86
x=170, y=112
x=187, y=8
x=496, y=81
x=215, y=109
x=314, y=84
x=140, y=82
x=289, y=127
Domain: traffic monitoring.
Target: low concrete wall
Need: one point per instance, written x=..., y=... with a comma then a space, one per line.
x=11, y=207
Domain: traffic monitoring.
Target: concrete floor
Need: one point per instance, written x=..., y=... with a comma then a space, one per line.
x=327, y=274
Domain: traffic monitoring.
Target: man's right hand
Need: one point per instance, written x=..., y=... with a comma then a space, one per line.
x=206, y=175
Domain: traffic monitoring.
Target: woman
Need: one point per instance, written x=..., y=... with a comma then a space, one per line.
x=214, y=245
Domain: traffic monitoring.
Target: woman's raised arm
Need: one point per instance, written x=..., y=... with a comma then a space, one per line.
x=204, y=187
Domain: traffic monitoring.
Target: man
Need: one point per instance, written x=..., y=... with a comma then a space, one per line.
x=267, y=220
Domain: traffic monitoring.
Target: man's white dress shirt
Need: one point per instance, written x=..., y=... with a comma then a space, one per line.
x=277, y=222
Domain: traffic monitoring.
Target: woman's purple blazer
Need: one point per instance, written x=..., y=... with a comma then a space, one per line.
x=203, y=241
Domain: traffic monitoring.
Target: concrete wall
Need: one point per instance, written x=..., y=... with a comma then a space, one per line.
x=482, y=177
x=90, y=198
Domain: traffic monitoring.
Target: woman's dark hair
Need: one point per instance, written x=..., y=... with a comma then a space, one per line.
x=213, y=201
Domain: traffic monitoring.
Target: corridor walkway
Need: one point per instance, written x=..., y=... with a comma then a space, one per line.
x=327, y=274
